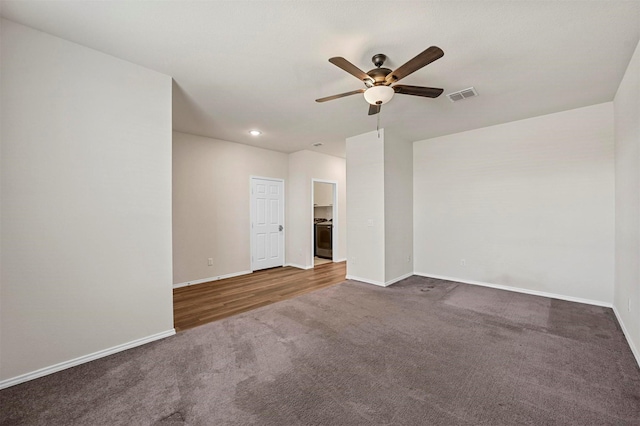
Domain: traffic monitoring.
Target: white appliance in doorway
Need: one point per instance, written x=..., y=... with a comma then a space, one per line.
x=267, y=223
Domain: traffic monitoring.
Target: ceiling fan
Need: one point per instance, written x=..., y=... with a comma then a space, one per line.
x=378, y=81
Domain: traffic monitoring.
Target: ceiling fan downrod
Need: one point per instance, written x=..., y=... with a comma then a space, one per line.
x=378, y=59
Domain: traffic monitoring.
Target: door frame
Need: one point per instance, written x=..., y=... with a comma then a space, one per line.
x=334, y=215
x=284, y=227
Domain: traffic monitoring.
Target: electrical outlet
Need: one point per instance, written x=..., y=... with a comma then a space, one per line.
x=463, y=262
x=353, y=260
x=409, y=259
x=210, y=261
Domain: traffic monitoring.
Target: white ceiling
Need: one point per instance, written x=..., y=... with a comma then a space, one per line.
x=261, y=64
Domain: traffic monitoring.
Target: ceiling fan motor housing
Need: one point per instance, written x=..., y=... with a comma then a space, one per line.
x=378, y=75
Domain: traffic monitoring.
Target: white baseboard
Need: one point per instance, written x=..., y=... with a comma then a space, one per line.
x=400, y=278
x=520, y=290
x=208, y=280
x=342, y=259
x=85, y=358
x=379, y=283
x=634, y=350
x=365, y=280
x=295, y=265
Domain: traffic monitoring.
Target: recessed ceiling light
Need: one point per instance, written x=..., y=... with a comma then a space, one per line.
x=255, y=132
x=317, y=144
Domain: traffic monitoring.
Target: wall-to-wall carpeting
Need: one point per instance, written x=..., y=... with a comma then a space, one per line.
x=422, y=351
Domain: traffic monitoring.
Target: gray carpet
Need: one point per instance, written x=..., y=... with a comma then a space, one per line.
x=420, y=352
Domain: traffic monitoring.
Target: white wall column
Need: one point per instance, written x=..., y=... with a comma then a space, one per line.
x=380, y=213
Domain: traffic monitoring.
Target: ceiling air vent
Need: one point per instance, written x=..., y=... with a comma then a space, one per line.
x=462, y=94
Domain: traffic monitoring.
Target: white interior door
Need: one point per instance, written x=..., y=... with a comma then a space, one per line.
x=267, y=223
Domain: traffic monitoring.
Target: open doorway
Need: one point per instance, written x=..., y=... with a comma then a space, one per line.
x=324, y=221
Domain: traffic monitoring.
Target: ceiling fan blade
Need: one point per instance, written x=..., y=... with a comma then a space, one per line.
x=341, y=62
x=341, y=95
x=374, y=109
x=425, y=58
x=427, y=92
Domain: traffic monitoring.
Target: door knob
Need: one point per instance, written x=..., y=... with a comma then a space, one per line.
x=280, y=228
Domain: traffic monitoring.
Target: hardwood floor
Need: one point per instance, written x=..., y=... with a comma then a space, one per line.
x=202, y=303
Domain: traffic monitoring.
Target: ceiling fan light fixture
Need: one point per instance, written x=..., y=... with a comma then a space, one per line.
x=379, y=79
x=378, y=95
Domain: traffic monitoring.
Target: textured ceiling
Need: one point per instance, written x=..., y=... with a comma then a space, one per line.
x=260, y=64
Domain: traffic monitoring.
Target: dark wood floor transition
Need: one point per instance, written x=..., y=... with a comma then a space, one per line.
x=202, y=303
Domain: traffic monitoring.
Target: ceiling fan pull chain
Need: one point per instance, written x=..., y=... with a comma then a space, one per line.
x=378, y=125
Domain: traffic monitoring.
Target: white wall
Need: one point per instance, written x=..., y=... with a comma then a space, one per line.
x=528, y=204
x=398, y=207
x=211, y=204
x=86, y=202
x=365, y=216
x=1, y=196
x=303, y=167
x=627, y=142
